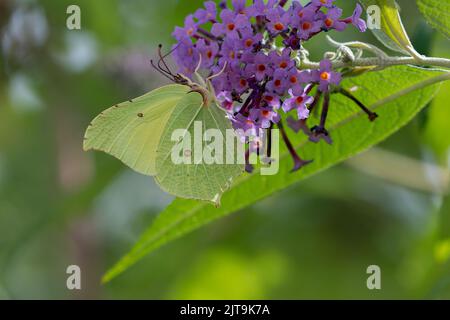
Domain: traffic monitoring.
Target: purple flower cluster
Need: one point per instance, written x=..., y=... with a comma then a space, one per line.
x=252, y=54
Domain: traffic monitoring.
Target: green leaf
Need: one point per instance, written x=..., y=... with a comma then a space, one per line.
x=437, y=14
x=392, y=33
x=438, y=123
x=397, y=94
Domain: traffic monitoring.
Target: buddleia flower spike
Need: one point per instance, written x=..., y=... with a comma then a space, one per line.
x=255, y=79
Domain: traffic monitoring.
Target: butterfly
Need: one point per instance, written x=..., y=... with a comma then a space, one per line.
x=140, y=133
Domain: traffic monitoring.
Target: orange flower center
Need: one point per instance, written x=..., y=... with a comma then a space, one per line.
x=265, y=113
x=329, y=22
x=248, y=43
x=277, y=83
x=261, y=68
x=293, y=79
x=231, y=26
x=299, y=100
x=306, y=26
x=279, y=26
x=325, y=76
x=283, y=65
x=243, y=82
x=268, y=98
x=209, y=54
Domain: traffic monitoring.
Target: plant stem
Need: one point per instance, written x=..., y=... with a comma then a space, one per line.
x=325, y=109
x=382, y=62
x=348, y=94
x=298, y=162
x=283, y=3
x=207, y=34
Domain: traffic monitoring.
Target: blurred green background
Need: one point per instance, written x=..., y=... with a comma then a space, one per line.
x=60, y=206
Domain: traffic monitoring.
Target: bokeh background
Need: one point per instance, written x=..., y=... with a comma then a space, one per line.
x=60, y=206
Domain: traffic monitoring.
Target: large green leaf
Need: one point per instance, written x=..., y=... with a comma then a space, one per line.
x=397, y=94
x=392, y=33
x=437, y=128
x=437, y=14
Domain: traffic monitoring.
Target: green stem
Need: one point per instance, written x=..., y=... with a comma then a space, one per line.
x=382, y=62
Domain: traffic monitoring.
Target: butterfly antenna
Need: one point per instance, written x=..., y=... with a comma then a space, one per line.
x=162, y=71
x=163, y=57
x=218, y=74
x=171, y=51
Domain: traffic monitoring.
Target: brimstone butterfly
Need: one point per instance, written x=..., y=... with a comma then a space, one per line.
x=139, y=133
